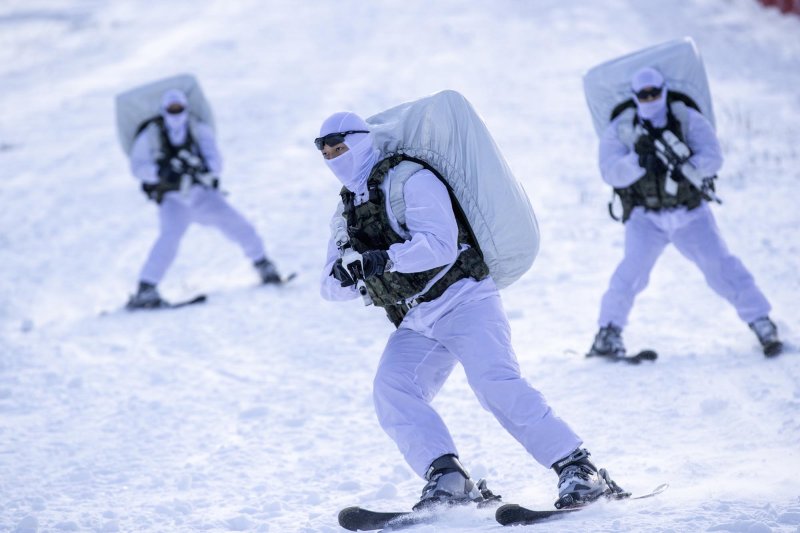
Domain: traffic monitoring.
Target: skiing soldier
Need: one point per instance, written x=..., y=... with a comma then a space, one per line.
x=662, y=160
x=456, y=317
x=177, y=160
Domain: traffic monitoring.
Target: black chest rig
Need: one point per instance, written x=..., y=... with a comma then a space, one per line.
x=650, y=190
x=369, y=228
x=187, y=153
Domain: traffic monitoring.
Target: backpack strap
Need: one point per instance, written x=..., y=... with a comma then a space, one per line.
x=401, y=173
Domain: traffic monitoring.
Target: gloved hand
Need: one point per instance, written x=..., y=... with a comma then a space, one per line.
x=708, y=188
x=150, y=190
x=644, y=145
x=652, y=164
x=207, y=180
x=375, y=262
x=342, y=275
x=170, y=175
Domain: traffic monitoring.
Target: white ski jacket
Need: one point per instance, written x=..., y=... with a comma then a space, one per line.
x=147, y=144
x=619, y=164
x=432, y=241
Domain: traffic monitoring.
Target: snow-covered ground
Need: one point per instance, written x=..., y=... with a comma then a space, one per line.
x=253, y=412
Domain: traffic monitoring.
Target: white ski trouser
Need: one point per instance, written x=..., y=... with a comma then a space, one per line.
x=695, y=234
x=204, y=206
x=414, y=367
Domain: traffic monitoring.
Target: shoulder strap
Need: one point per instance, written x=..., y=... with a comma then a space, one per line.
x=680, y=112
x=621, y=107
x=157, y=119
x=675, y=96
x=402, y=172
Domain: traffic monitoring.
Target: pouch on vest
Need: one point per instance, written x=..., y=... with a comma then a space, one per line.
x=137, y=107
x=445, y=133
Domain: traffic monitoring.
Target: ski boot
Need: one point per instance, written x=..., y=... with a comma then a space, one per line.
x=608, y=343
x=267, y=271
x=449, y=483
x=580, y=482
x=146, y=297
x=767, y=334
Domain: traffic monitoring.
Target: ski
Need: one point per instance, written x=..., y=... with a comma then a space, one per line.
x=200, y=298
x=512, y=514
x=283, y=281
x=287, y=279
x=635, y=359
x=360, y=519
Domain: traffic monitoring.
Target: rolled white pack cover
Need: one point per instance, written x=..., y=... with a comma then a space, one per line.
x=140, y=104
x=445, y=132
x=608, y=85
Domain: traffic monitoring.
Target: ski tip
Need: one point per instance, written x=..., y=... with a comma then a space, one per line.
x=647, y=355
x=346, y=517
x=655, y=492
x=282, y=281
x=506, y=513
x=661, y=488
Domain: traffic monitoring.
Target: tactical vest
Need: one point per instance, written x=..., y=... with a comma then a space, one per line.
x=649, y=191
x=369, y=228
x=165, y=153
x=167, y=150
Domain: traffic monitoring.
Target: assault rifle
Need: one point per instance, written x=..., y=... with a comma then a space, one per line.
x=349, y=256
x=194, y=170
x=675, y=155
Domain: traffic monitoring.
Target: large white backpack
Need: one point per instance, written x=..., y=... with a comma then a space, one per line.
x=608, y=86
x=136, y=107
x=444, y=132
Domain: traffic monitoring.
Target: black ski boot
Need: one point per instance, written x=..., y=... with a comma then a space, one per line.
x=267, y=271
x=146, y=297
x=580, y=482
x=767, y=334
x=449, y=483
x=608, y=342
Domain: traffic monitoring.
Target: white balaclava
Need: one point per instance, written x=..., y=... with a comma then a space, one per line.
x=655, y=111
x=352, y=167
x=175, y=123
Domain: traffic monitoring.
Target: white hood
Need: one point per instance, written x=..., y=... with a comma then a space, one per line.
x=655, y=111
x=176, y=123
x=353, y=167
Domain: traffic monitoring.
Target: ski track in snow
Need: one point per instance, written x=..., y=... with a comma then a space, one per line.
x=253, y=412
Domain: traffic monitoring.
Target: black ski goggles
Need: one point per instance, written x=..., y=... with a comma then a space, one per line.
x=175, y=109
x=332, y=139
x=649, y=94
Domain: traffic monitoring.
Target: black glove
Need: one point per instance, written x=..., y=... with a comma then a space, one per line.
x=708, y=185
x=150, y=190
x=644, y=145
x=341, y=274
x=169, y=176
x=374, y=262
x=652, y=164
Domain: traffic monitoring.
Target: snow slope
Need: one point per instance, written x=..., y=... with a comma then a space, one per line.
x=253, y=412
